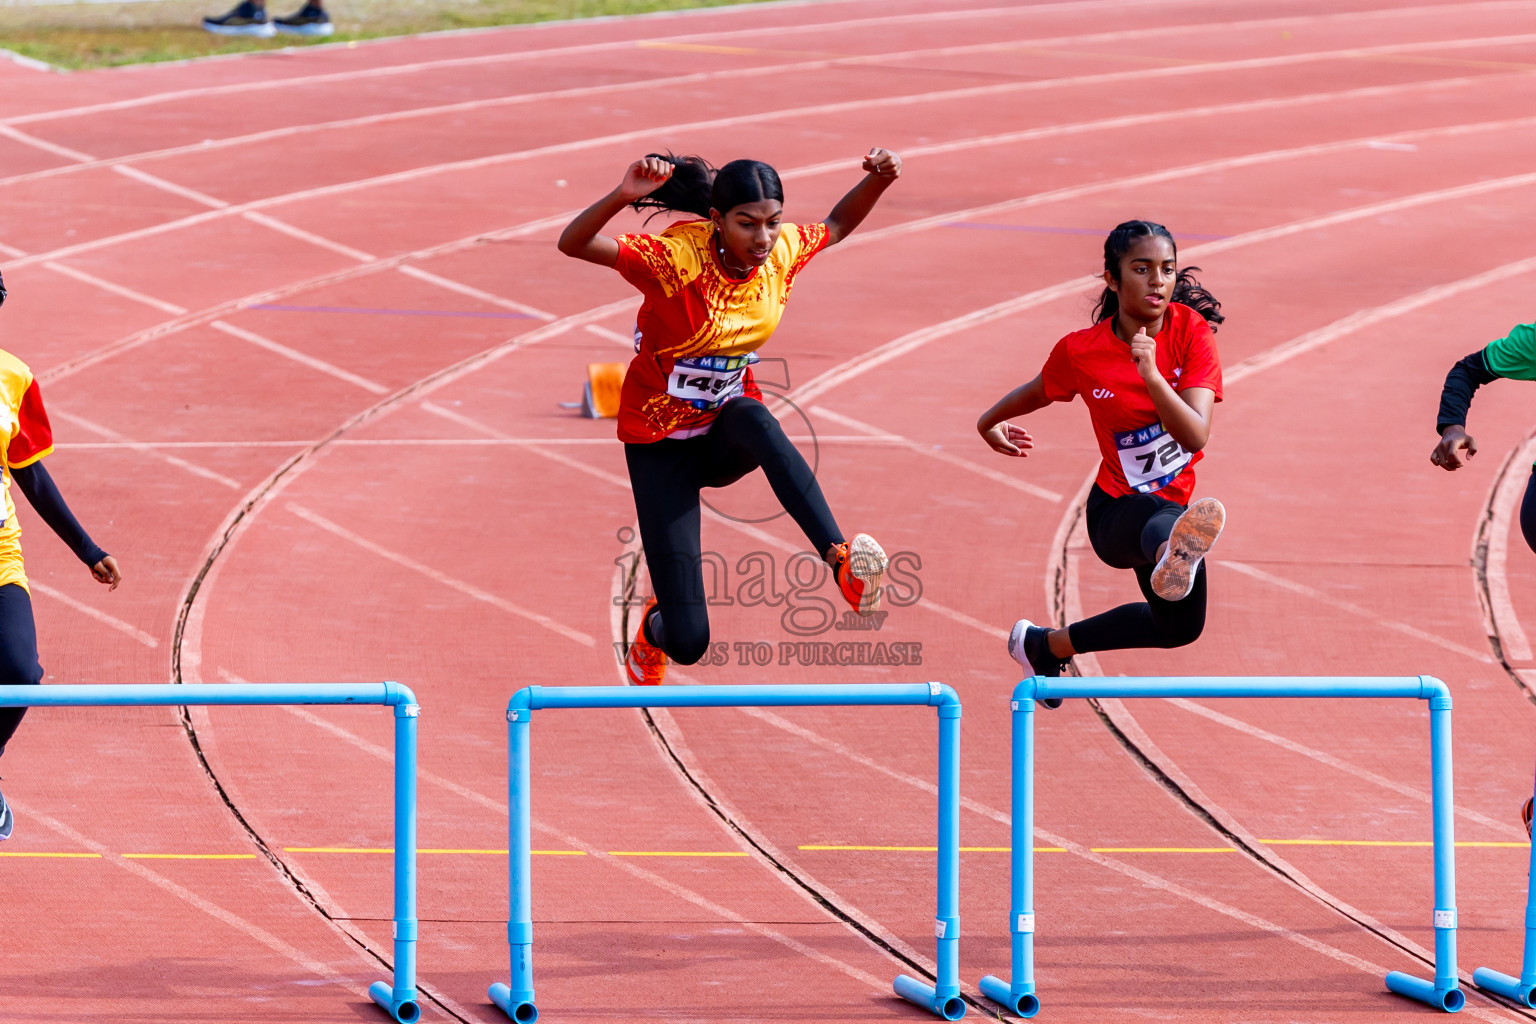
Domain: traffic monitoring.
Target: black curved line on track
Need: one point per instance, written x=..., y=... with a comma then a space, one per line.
x=241, y=513
x=822, y=899
x=1480, y=567
x=1156, y=773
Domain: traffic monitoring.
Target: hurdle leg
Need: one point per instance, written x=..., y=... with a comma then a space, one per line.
x=1519, y=989
x=516, y=999
x=1444, y=992
x=1019, y=995
x=943, y=998
x=399, y=999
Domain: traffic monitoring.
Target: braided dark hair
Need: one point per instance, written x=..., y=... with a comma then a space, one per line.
x=696, y=187
x=1186, y=289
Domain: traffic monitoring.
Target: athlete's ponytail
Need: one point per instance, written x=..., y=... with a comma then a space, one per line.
x=696, y=187
x=1186, y=289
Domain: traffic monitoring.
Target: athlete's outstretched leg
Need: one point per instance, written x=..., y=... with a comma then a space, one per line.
x=664, y=478
x=746, y=436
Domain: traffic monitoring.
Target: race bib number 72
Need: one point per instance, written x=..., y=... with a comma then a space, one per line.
x=1150, y=458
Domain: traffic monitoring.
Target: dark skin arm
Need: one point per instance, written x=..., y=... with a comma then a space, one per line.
x=883, y=167
x=582, y=237
x=1186, y=415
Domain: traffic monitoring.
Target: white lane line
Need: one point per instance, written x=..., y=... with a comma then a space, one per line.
x=1503, y=828
x=882, y=354
x=1313, y=594
x=1027, y=44
x=473, y=292
x=11, y=250
x=493, y=434
x=468, y=589
x=1364, y=318
x=146, y=448
x=114, y=288
x=126, y=628
x=449, y=109
x=208, y=907
x=941, y=455
x=500, y=159
x=372, y=387
x=1503, y=621
x=285, y=228
x=25, y=139
x=155, y=181
x=688, y=895
x=627, y=340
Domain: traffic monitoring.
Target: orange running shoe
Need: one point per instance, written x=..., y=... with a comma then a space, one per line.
x=860, y=570
x=646, y=664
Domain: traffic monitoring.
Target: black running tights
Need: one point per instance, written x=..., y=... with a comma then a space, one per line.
x=1126, y=533
x=667, y=476
x=18, y=652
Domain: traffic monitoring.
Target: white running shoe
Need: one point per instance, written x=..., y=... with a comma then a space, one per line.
x=1194, y=533
x=1025, y=639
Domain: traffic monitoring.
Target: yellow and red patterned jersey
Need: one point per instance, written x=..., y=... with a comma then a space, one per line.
x=25, y=437
x=699, y=328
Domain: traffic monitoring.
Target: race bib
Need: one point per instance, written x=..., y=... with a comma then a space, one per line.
x=1150, y=458
x=708, y=382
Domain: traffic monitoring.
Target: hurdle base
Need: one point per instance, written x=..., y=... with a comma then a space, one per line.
x=946, y=1007
x=517, y=1005
x=1020, y=1004
x=1451, y=1000
x=406, y=1010
x=1504, y=985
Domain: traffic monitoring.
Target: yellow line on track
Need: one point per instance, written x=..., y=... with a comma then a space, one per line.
x=190, y=856
x=935, y=849
x=1384, y=842
x=390, y=849
x=66, y=856
x=1163, y=849
x=675, y=853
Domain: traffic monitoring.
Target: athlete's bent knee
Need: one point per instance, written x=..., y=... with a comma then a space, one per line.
x=1181, y=633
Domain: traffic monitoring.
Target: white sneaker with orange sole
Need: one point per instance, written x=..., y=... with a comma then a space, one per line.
x=1194, y=534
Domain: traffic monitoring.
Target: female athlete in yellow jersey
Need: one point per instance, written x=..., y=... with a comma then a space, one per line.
x=690, y=414
x=25, y=437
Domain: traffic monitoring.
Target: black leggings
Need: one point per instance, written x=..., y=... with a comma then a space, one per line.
x=18, y=652
x=1126, y=533
x=1528, y=512
x=667, y=476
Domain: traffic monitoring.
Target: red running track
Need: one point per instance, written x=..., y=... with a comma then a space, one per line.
x=300, y=488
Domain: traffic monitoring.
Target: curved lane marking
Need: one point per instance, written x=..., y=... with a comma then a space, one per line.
x=500, y=159
x=244, y=88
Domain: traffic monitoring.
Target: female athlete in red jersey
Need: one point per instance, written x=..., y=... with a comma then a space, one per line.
x=1148, y=371
x=690, y=413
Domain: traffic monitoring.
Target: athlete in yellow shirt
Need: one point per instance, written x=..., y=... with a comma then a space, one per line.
x=25, y=437
x=690, y=413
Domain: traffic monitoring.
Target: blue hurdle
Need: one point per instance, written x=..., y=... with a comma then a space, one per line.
x=1443, y=993
x=942, y=999
x=1519, y=989
x=398, y=999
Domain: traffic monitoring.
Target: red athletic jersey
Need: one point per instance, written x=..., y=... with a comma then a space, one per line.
x=1139, y=457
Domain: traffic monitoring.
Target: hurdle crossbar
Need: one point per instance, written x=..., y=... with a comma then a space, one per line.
x=398, y=998
x=1019, y=995
x=942, y=998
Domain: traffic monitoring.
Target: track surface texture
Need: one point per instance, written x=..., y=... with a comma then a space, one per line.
x=304, y=334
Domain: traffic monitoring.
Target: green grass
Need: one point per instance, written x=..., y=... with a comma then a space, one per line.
x=78, y=36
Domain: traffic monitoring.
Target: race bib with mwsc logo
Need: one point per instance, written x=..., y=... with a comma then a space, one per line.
x=1150, y=458
x=708, y=382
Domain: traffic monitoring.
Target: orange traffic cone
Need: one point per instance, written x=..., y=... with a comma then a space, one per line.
x=600, y=398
